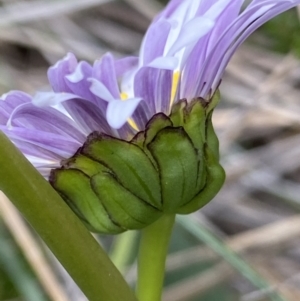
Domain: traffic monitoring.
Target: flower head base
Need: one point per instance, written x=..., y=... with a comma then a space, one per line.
x=170, y=167
x=151, y=151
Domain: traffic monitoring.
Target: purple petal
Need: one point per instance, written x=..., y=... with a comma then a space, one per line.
x=154, y=87
x=154, y=42
x=47, y=143
x=125, y=64
x=226, y=17
x=87, y=116
x=196, y=60
x=78, y=82
x=253, y=17
x=57, y=73
x=100, y=90
x=46, y=99
x=9, y=102
x=188, y=35
x=141, y=115
x=169, y=9
x=216, y=8
x=126, y=132
x=167, y=63
x=104, y=71
x=79, y=73
x=48, y=120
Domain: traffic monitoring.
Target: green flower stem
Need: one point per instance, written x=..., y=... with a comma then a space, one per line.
x=58, y=226
x=122, y=249
x=152, y=257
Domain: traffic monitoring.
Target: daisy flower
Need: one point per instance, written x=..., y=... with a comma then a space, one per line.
x=143, y=103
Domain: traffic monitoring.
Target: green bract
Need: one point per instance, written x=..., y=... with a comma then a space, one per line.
x=172, y=166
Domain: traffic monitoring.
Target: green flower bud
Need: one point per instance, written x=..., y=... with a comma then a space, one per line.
x=172, y=166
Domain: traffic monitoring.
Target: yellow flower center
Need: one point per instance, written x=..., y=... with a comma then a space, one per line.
x=175, y=82
x=124, y=97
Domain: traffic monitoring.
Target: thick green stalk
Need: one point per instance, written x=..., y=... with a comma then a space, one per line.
x=152, y=257
x=62, y=231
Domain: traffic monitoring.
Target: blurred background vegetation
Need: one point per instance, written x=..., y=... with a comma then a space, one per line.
x=245, y=245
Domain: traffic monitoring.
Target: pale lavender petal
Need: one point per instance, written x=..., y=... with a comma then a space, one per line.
x=182, y=10
x=71, y=78
x=48, y=120
x=119, y=111
x=3, y=114
x=125, y=132
x=142, y=115
x=127, y=82
x=154, y=87
x=216, y=9
x=153, y=45
x=168, y=63
x=192, y=69
x=182, y=15
x=247, y=22
x=16, y=98
x=29, y=149
x=212, y=61
x=87, y=116
x=75, y=107
x=195, y=62
x=100, y=90
x=104, y=71
x=188, y=35
x=9, y=101
x=224, y=13
x=57, y=73
x=78, y=82
x=270, y=14
x=226, y=17
x=79, y=73
x=125, y=64
x=169, y=9
x=163, y=91
x=125, y=71
x=46, y=99
x=61, y=146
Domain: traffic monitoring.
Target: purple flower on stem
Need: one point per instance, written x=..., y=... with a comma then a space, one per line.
x=183, y=55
